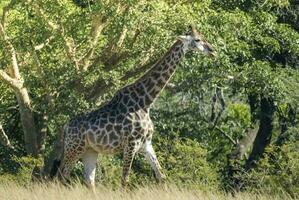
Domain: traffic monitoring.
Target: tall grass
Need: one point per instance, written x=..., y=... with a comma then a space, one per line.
x=11, y=191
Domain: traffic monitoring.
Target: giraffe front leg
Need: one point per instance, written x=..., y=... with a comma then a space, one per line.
x=129, y=153
x=151, y=157
x=89, y=159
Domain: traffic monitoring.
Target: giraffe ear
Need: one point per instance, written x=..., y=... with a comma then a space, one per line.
x=192, y=29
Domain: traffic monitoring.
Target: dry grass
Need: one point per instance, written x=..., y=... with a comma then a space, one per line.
x=56, y=192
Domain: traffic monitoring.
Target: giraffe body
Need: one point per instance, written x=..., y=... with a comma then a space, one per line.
x=107, y=135
x=119, y=126
x=123, y=125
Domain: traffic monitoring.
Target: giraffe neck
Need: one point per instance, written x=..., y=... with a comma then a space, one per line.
x=154, y=81
x=147, y=88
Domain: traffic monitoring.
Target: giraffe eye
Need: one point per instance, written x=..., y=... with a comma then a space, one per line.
x=197, y=40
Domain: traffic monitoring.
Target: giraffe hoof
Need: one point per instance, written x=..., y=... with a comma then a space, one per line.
x=124, y=184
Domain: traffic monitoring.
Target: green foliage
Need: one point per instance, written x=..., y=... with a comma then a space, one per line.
x=278, y=170
x=258, y=54
x=185, y=164
x=23, y=175
x=239, y=113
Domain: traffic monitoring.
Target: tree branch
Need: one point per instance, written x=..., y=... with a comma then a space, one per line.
x=97, y=25
x=14, y=79
x=16, y=84
x=226, y=135
x=41, y=12
x=122, y=37
x=219, y=96
x=68, y=41
x=112, y=54
x=245, y=143
x=4, y=139
x=112, y=58
x=6, y=9
x=137, y=71
x=213, y=111
x=42, y=45
x=15, y=68
x=100, y=87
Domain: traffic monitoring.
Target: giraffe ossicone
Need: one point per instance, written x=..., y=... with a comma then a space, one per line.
x=123, y=125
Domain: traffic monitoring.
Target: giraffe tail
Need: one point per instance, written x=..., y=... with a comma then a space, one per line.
x=55, y=167
x=57, y=162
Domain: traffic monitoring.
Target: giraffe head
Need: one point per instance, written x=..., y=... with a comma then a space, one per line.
x=194, y=41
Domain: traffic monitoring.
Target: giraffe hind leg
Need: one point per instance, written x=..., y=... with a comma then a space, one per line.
x=89, y=159
x=70, y=158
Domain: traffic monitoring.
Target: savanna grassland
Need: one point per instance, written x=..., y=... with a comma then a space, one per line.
x=224, y=124
x=163, y=192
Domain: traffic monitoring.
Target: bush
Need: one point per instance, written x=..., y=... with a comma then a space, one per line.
x=184, y=162
x=278, y=171
x=24, y=172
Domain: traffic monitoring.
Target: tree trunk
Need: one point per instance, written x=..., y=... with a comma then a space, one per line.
x=27, y=120
x=42, y=133
x=244, y=144
x=234, y=169
x=264, y=134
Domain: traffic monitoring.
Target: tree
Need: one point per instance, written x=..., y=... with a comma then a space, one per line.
x=72, y=56
x=14, y=80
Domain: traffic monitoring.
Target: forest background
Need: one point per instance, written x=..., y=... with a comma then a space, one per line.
x=227, y=124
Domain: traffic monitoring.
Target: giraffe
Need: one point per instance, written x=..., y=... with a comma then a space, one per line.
x=123, y=125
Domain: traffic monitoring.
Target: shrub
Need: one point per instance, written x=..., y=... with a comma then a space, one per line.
x=24, y=172
x=278, y=171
